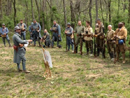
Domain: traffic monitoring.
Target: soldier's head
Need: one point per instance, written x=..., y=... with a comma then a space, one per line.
x=120, y=25
x=34, y=21
x=79, y=23
x=98, y=21
x=54, y=22
x=21, y=21
x=3, y=25
x=45, y=31
x=17, y=29
x=87, y=23
x=68, y=24
x=109, y=27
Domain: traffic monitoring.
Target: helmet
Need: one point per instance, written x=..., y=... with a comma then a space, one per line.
x=121, y=42
x=16, y=28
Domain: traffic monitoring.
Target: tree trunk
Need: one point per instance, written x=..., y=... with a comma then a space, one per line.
x=26, y=12
x=14, y=3
x=129, y=12
x=72, y=14
x=109, y=10
x=96, y=3
x=38, y=10
x=43, y=18
x=32, y=10
x=90, y=13
x=65, y=20
x=101, y=10
x=1, y=10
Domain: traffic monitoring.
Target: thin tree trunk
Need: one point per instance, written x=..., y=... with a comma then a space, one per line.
x=65, y=20
x=90, y=13
x=14, y=12
x=26, y=13
x=38, y=10
x=101, y=10
x=43, y=18
x=32, y=10
x=72, y=13
x=96, y=3
x=129, y=12
x=109, y=9
x=1, y=10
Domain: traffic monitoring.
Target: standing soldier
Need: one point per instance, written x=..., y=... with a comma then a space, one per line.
x=99, y=34
x=23, y=28
x=4, y=34
x=120, y=41
x=30, y=31
x=36, y=28
x=79, y=30
x=19, y=51
x=46, y=38
x=111, y=42
x=56, y=36
x=88, y=34
x=69, y=32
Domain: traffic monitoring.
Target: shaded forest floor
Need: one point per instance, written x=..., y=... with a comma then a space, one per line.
x=74, y=76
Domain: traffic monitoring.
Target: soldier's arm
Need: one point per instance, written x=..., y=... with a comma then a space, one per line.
x=125, y=33
x=20, y=40
x=25, y=26
x=7, y=30
x=122, y=36
x=39, y=27
x=59, y=30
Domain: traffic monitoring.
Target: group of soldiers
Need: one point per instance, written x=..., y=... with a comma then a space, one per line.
x=94, y=41
x=115, y=40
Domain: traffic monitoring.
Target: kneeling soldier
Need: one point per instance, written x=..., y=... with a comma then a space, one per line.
x=46, y=38
x=111, y=42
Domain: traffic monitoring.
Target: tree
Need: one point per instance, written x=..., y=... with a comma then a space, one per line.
x=14, y=12
x=90, y=13
x=96, y=1
x=32, y=10
x=65, y=20
x=38, y=10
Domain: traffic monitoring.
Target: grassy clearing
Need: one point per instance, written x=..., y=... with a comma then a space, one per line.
x=74, y=76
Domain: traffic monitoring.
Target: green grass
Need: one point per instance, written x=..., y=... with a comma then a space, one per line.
x=74, y=76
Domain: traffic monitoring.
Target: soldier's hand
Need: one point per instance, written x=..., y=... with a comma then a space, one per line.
x=29, y=40
x=95, y=35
